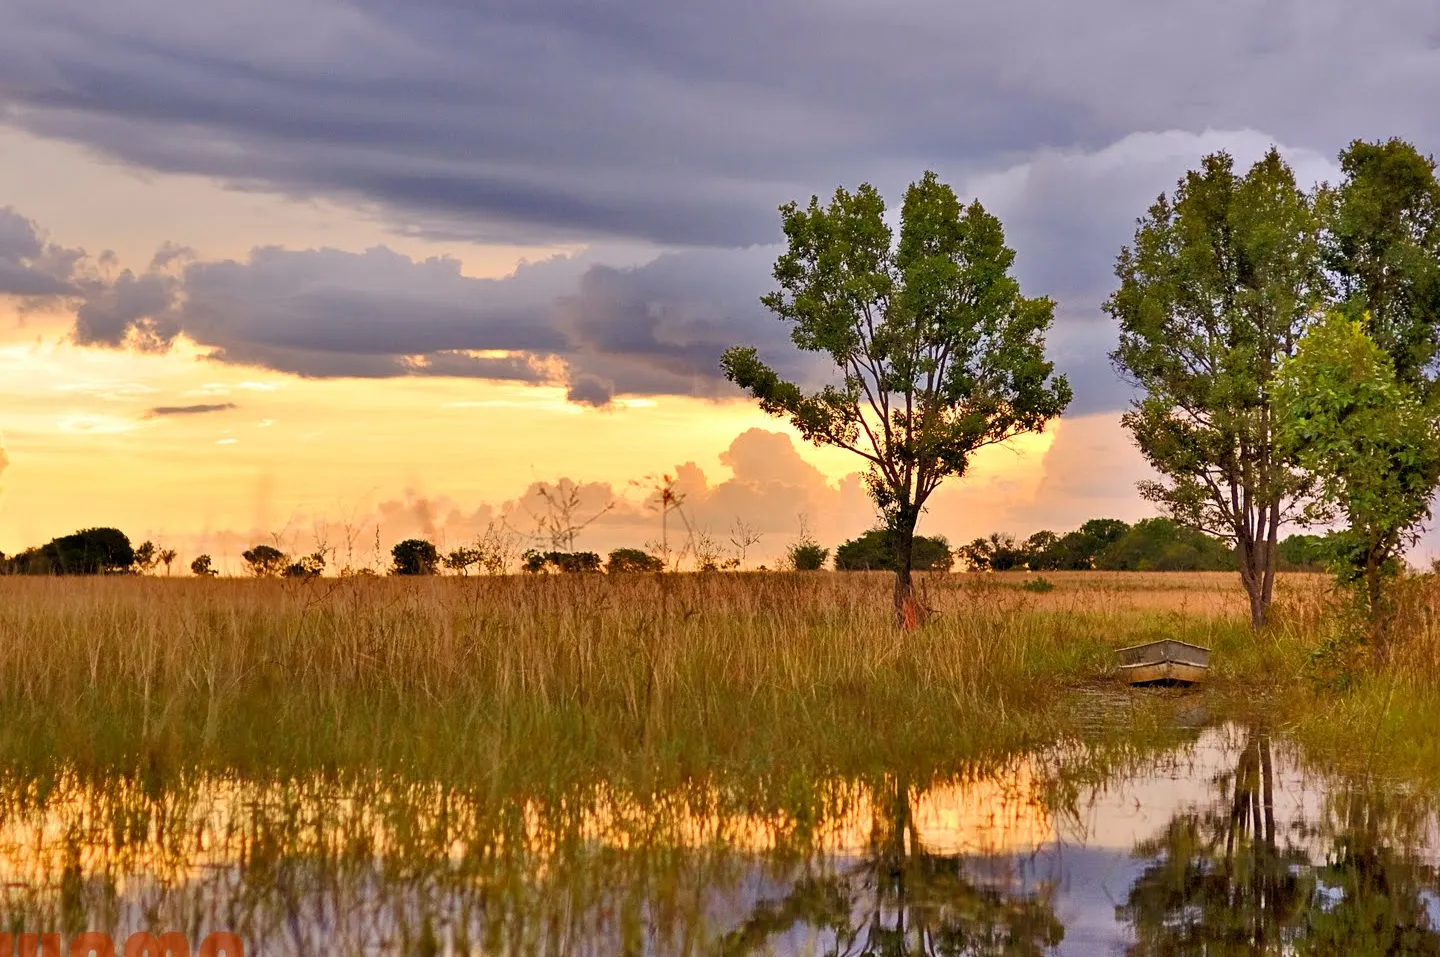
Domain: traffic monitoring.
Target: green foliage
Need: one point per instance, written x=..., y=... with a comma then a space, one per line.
x=1039, y=585
x=1217, y=288
x=998, y=553
x=567, y=562
x=1306, y=553
x=1163, y=545
x=876, y=551
x=1080, y=549
x=1382, y=249
x=1372, y=444
x=937, y=351
x=1073, y=551
x=414, y=556
x=265, y=561
x=202, y=567
x=462, y=559
x=632, y=560
x=147, y=556
x=807, y=556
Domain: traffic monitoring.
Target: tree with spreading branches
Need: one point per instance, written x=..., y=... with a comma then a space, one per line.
x=1220, y=284
x=936, y=353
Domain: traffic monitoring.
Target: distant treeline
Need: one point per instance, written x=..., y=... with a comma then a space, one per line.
x=1106, y=544
x=1151, y=544
x=90, y=551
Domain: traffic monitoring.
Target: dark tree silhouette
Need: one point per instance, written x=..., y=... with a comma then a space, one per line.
x=265, y=561
x=874, y=551
x=414, y=556
x=90, y=551
x=629, y=560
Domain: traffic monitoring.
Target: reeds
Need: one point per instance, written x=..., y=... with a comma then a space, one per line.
x=552, y=679
x=535, y=674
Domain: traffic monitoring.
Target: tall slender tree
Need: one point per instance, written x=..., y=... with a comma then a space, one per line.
x=935, y=351
x=1220, y=284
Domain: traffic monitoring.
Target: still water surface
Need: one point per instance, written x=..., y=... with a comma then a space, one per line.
x=1226, y=844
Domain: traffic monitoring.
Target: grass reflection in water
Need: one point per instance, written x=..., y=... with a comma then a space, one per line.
x=1225, y=845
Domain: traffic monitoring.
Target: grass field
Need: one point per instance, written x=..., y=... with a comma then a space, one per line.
x=532, y=682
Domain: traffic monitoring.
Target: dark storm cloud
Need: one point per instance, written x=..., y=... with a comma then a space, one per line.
x=130, y=307
x=31, y=267
x=685, y=124
x=600, y=330
x=161, y=411
x=681, y=125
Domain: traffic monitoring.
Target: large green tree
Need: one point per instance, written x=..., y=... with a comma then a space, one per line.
x=935, y=351
x=1372, y=442
x=1220, y=284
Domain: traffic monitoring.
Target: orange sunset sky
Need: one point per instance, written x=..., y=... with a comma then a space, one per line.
x=336, y=273
x=311, y=459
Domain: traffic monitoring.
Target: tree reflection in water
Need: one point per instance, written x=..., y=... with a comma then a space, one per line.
x=901, y=898
x=1222, y=882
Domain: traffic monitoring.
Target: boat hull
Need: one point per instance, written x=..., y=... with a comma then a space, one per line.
x=1166, y=661
x=1158, y=672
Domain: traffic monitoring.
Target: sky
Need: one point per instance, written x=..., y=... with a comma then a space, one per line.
x=327, y=273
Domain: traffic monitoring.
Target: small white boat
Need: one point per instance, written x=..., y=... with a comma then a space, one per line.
x=1164, y=661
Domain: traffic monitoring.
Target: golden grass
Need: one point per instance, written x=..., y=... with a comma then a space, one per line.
x=529, y=682
x=1209, y=594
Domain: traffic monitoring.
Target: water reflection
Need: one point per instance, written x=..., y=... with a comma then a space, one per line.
x=1218, y=881
x=900, y=897
x=1227, y=845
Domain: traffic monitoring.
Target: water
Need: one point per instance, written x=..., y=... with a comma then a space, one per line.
x=1224, y=845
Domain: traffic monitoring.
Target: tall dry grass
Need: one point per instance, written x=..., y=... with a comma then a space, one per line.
x=528, y=680
x=1351, y=708
x=528, y=677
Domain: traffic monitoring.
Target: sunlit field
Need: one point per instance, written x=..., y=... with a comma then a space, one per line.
x=525, y=680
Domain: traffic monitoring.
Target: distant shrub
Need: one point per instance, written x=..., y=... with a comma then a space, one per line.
x=90, y=551
x=265, y=561
x=873, y=551
x=567, y=562
x=1039, y=585
x=310, y=566
x=1163, y=545
x=462, y=559
x=808, y=556
x=631, y=560
x=414, y=556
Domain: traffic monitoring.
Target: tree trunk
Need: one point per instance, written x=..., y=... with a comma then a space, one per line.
x=1252, y=576
x=1258, y=551
x=1375, y=601
x=1272, y=561
x=908, y=613
x=1258, y=565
